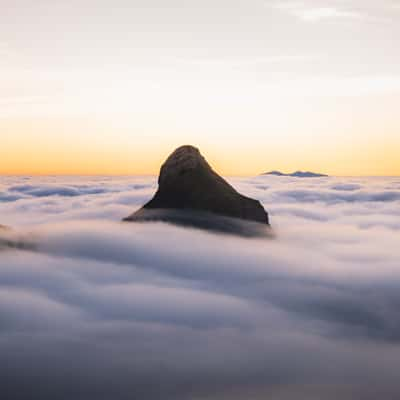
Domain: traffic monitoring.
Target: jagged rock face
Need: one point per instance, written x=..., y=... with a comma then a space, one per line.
x=187, y=182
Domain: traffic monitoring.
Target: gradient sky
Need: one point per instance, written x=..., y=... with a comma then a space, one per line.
x=111, y=87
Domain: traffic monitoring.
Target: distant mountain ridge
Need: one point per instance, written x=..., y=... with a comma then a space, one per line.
x=297, y=174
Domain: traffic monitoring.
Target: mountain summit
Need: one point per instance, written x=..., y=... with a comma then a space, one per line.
x=191, y=192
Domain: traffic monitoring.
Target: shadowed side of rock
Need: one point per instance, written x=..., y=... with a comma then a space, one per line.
x=203, y=220
x=188, y=184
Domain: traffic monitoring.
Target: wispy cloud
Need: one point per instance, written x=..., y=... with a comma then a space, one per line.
x=314, y=14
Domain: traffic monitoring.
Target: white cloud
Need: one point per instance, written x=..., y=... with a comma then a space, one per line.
x=314, y=14
x=157, y=311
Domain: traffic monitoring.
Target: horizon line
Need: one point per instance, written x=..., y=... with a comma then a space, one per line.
x=156, y=174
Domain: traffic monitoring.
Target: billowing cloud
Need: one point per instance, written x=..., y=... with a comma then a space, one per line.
x=97, y=308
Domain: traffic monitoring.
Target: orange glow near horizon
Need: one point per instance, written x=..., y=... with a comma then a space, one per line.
x=85, y=146
x=43, y=155
x=289, y=88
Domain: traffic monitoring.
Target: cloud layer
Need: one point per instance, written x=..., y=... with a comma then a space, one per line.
x=103, y=309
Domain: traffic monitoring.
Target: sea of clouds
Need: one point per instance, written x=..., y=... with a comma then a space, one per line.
x=94, y=308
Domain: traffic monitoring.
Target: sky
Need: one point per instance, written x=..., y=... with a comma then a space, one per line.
x=92, y=308
x=112, y=87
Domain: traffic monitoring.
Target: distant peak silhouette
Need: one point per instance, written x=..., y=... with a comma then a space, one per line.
x=297, y=174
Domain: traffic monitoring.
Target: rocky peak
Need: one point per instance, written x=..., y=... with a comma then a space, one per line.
x=182, y=160
x=188, y=185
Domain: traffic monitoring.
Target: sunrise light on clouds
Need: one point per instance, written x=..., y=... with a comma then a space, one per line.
x=199, y=199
